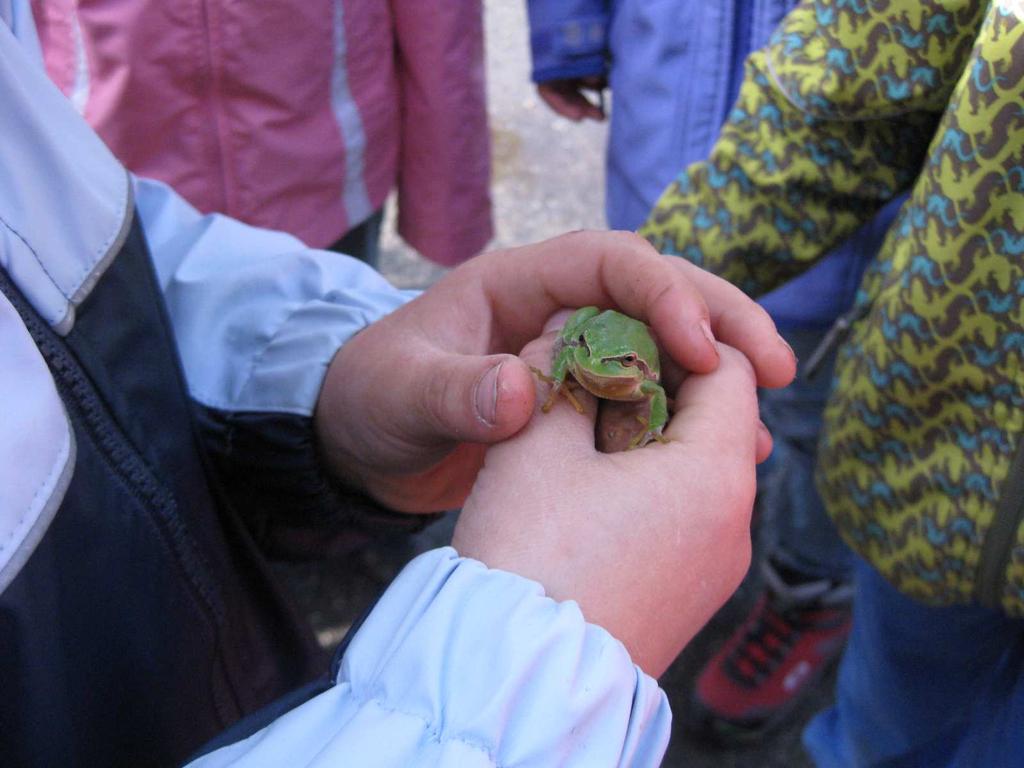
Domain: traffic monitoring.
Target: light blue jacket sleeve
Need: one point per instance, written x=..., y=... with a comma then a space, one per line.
x=257, y=314
x=568, y=38
x=258, y=317
x=459, y=665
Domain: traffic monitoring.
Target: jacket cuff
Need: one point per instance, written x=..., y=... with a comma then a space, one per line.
x=269, y=467
x=462, y=665
x=528, y=677
x=571, y=48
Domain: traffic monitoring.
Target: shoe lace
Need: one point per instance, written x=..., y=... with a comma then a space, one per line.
x=766, y=641
x=778, y=625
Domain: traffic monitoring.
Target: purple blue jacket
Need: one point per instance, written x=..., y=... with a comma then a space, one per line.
x=674, y=69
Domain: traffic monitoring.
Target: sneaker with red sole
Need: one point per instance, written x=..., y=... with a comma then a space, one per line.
x=794, y=634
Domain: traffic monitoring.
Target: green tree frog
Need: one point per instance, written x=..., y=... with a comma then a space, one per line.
x=612, y=356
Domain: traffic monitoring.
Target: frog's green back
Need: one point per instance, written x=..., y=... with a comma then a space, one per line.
x=617, y=334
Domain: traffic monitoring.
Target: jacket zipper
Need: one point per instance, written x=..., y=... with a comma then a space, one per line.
x=119, y=454
x=997, y=547
x=1002, y=535
x=836, y=335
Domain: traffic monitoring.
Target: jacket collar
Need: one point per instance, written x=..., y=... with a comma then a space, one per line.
x=66, y=202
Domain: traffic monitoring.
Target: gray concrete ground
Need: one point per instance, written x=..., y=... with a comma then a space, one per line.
x=548, y=178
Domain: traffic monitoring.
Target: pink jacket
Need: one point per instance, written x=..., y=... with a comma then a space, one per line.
x=298, y=115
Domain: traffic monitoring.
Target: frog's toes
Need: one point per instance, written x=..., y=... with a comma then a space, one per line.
x=639, y=440
x=542, y=376
x=645, y=437
x=572, y=399
x=552, y=396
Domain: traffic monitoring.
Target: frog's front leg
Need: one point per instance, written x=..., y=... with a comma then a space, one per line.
x=552, y=392
x=558, y=381
x=657, y=415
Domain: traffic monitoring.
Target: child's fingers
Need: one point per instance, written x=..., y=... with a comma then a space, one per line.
x=764, y=442
x=745, y=325
x=557, y=321
x=719, y=411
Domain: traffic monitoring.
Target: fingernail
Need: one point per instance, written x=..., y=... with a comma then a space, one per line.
x=486, y=396
x=783, y=340
x=705, y=328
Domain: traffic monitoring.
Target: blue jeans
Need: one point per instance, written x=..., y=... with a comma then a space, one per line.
x=923, y=687
x=799, y=533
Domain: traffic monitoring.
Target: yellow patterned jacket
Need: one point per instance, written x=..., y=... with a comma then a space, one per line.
x=852, y=103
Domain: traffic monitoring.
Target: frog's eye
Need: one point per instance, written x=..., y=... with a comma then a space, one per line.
x=629, y=359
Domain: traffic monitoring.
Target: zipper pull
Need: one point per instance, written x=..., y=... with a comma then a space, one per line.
x=836, y=335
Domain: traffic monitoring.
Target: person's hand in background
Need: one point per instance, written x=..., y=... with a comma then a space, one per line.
x=568, y=97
